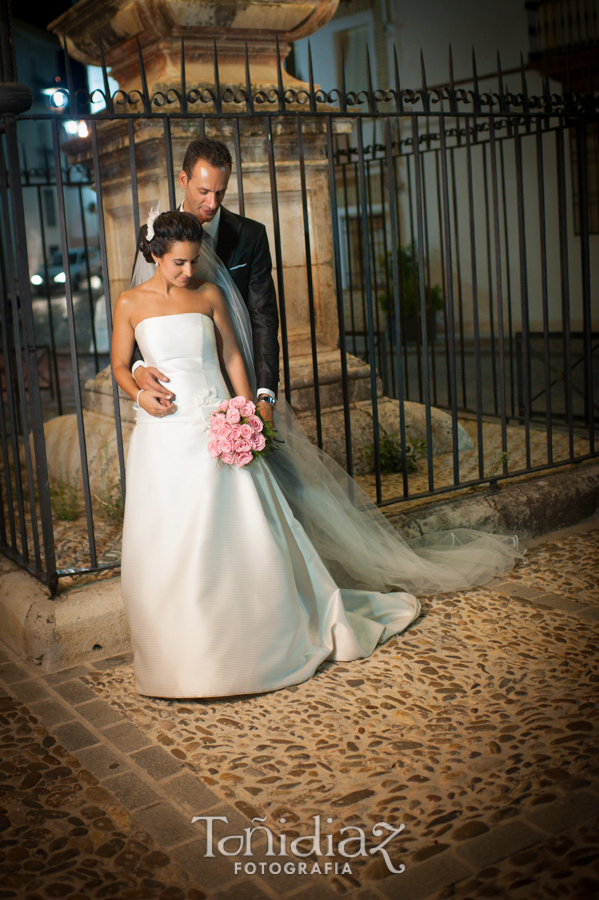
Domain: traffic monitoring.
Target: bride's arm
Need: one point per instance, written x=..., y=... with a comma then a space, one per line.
x=123, y=340
x=226, y=342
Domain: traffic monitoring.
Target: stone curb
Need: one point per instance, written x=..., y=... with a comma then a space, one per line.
x=526, y=508
x=89, y=622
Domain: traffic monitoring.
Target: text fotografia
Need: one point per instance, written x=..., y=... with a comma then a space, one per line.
x=351, y=847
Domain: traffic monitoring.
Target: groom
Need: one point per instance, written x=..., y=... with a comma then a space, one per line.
x=242, y=245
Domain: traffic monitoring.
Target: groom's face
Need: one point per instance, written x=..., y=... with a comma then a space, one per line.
x=204, y=190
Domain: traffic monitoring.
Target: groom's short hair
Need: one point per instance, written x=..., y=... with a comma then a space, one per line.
x=215, y=153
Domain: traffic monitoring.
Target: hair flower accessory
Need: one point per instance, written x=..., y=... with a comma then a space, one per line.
x=154, y=212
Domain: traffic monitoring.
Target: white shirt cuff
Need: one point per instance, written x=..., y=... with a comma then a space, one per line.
x=135, y=365
x=266, y=391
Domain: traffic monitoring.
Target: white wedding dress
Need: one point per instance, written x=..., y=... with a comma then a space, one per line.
x=229, y=596
x=238, y=581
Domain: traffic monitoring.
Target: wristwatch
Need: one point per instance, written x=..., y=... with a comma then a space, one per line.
x=266, y=398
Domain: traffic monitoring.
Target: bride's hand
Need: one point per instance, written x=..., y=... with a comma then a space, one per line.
x=155, y=405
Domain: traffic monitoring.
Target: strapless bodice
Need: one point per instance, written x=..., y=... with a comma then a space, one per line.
x=183, y=347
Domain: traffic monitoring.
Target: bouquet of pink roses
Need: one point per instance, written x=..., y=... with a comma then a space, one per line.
x=239, y=434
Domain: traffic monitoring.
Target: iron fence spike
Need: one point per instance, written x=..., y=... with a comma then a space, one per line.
x=248, y=83
x=144, y=82
x=311, y=79
x=280, y=77
x=217, y=96
x=398, y=97
x=107, y=94
x=183, y=100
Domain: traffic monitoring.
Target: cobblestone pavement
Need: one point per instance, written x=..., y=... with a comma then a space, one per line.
x=476, y=730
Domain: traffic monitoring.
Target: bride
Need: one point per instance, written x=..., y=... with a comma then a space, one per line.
x=264, y=572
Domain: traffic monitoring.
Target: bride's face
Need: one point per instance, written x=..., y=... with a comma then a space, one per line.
x=179, y=262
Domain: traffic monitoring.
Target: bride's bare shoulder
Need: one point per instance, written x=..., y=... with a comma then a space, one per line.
x=200, y=286
x=131, y=300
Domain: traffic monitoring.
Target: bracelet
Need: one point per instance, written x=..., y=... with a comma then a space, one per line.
x=137, y=398
x=266, y=398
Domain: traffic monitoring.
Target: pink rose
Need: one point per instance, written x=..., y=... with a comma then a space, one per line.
x=242, y=459
x=258, y=442
x=256, y=423
x=242, y=446
x=233, y=414
x=246, y=431
x=237, y=402
x=223, y=405
x=213, y=449
x=228, y=458
x=235, y=432
x=248, y=410
x=225, y=445
x=217, y=421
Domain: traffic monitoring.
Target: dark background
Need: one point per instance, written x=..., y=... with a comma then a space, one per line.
x=33, y=15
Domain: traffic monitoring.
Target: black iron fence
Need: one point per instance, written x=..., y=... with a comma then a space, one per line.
x=441, y=236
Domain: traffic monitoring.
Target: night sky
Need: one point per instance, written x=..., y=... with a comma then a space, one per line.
x=40, y=15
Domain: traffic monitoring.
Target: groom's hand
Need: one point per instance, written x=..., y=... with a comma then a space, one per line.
x=266, y=411
x=161, y=400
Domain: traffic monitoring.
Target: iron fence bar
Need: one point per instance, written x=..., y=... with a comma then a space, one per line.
x=475, y=319
x=426, y=250
x=564, y=278
x=168, y=155
x=375, y=289
x=414, y=247
x=37, y=424
x=3, y=536
x=499, y=282
x=363, y=198
x=395, y=243
x=524, y=298
x=89, y=286
x=453, y=399
x=347, y=250
x=107, y=301
x=443, y=272
x=9, y=395
x=425, y=378
x=133, y=170
x=361, y=265
x=544, y=288
x=9, y=292
x=278, y=256
x=54, y=363
x=567, y=105
x=339, y=297
x=508, y=279
x=401, y=275
x=73, y=347
x=458, y=272
x=308, y=251
x=390, y=389
x=237, y=143
x=490, y=277
x=585, y=267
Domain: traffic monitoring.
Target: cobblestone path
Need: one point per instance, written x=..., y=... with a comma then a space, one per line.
x=476, y=730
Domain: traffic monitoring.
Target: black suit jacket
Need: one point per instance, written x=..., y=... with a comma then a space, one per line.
x=243, y=248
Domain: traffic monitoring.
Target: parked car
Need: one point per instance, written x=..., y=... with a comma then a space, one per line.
x=77, y=267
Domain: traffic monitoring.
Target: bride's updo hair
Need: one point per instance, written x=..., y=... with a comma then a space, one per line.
x=169, y=229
